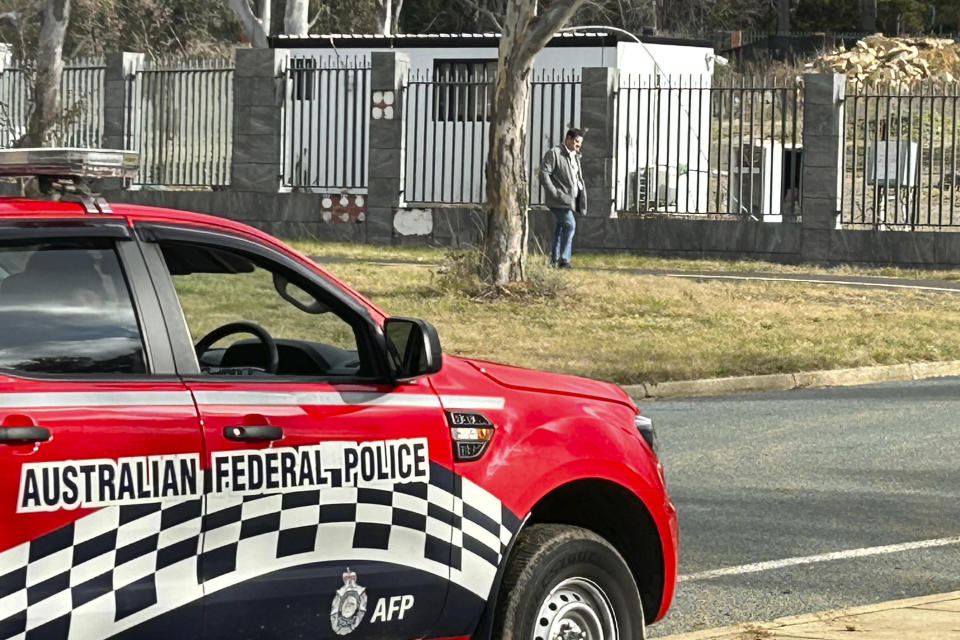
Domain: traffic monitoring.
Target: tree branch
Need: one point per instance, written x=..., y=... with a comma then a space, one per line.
x=475, y=6
x=545, y=26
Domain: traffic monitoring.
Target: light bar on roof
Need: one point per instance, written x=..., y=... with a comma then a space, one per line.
x=69, y=162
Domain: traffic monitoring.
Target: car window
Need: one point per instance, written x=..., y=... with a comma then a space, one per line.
x=65, y=308
x=218, y=287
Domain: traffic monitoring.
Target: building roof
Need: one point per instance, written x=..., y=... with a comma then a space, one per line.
x=418, y=40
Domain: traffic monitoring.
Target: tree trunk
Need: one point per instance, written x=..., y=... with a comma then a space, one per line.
x=504, y=256
x=296, y=17
x=385, y=17
x=868, y=15
x=255, y=26
x=504, y=252
x=783, y=16
x=397, y=6
x=42, y=125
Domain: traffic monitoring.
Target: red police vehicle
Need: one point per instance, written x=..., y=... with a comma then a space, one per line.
x=205, y=435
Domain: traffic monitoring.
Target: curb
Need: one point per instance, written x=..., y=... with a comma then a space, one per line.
x=788, y=381
x=779, y=623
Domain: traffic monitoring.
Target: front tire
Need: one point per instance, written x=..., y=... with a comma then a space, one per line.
x=567, y=583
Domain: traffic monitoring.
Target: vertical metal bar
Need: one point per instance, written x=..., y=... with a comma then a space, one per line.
x=414, y=88
x=794, y=161
x=646, y=137
x=886, y=155
x=752, y=142
x=680, y=113
x=730, y=115
x=876, y=146
x=899, y=138
x=454, y=142
x=953, y=155
x=429, y=131
x=773, y=140
x=854, y=100
x=700, y=143
x=933, y=112
x=719, y=92
x=484, y=138
x=446, y=125
x=942, y=99
x=656, y=163
x=866, y=135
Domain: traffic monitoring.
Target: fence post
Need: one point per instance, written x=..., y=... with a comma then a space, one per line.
x=388, y=75
x=598, y=94
x=258, y=99
x=823, y=122
x=118, y=69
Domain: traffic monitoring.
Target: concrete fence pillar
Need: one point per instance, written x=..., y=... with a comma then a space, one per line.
x=258, y=97
x=388, y=74
x=120, y=69
x=598, y=87
x=823, y=122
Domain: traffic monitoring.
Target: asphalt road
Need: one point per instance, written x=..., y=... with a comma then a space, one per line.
x=868, y=474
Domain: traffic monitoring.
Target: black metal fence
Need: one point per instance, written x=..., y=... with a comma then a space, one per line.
x=81, y=98
x=448, y=126
x=900, y=157
x=326, y=124
x=686, y=147
x=180, y=120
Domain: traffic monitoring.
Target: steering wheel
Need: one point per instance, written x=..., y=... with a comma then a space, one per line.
x=273, y=356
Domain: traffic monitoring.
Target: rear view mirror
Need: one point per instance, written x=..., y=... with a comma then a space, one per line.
x=413, y=347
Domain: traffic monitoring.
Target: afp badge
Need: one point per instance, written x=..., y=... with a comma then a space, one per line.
x=349, y=605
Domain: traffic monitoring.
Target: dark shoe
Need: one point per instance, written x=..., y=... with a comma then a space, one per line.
x=563, y=264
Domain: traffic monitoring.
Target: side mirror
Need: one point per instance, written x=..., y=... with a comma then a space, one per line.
x=413, y=347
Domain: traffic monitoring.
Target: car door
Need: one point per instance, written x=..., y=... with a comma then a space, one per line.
x=100, y=480
x=330, y=506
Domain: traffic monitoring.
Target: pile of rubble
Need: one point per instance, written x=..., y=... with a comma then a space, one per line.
x=878, y=58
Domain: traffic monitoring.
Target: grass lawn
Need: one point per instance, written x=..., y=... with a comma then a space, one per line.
x=631, y=328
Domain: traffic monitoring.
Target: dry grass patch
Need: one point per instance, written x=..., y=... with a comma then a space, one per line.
x=629, y=328
x=428, y=256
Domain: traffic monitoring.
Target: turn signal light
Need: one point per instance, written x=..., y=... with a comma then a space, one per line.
x=471, y=433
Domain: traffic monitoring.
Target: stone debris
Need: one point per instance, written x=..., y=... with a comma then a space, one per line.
x=879, y=58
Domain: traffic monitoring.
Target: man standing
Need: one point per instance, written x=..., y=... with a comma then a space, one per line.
x=565, y=194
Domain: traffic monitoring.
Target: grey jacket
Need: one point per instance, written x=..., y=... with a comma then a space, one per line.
x=558, y=175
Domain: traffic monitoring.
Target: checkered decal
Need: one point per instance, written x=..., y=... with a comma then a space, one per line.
x=104, y=568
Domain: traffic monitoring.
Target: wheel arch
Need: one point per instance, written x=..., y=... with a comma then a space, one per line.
x=611, y=511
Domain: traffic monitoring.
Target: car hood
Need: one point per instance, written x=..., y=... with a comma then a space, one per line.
x=554, y=383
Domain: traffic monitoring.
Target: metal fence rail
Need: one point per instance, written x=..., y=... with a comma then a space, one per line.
x=448, y=127
x=900, y=157
x=81, y=98
x=689, y=148
x=180, y=119
x=326, y=124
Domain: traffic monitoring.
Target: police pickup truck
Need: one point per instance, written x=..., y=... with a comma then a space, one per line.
x=205, y=435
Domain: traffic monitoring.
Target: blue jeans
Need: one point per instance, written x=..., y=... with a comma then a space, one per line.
x=562, y=245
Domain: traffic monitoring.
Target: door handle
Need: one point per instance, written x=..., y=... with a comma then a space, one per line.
x=23, y=435
x=256, y=433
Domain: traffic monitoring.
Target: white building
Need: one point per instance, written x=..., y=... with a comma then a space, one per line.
x=448, y=97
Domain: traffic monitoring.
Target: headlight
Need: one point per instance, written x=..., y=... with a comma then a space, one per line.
x=645, y=426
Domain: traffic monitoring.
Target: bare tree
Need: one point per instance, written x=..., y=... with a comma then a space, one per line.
x=256, y=26
x=525, y=33
x=42, y=124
